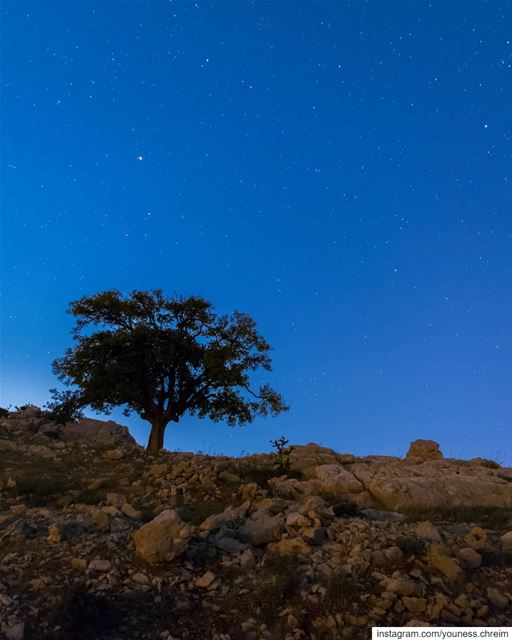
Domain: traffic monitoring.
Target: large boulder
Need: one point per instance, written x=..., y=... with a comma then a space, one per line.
x=262, y=529
x=304, y=458
x=89, y=429
x=424, y=450
x=335, y=479
x=433, y=484
x=162, y=539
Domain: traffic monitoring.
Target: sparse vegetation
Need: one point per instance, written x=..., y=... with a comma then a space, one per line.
x=490, y=517
x=278, y=581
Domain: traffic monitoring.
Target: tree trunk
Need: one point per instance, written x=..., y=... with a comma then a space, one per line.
x=156, y=437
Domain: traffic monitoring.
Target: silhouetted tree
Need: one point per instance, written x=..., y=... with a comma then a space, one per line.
x=164, y=357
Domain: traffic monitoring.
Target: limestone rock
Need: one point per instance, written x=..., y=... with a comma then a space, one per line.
x=506, y=542
x=426, y=531
x=290, y=547
x=262, y=530
x=438, y=559
x=335, y=479
x=469, y=558
x=476, y=538
x=424, y=450
x=162, y=539
x=205, y=580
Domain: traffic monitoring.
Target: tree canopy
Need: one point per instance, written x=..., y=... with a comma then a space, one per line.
x=164, y=357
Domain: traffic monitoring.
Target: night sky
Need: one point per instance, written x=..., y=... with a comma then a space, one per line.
x=340, y=171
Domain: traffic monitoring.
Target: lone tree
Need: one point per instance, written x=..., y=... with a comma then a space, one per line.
x=162, y=358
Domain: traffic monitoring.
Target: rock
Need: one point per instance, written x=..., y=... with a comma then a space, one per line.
x=289, y=547
x=231, y=516
x=91, y=430
x=469, y=558
x=115, y=500
x=114, y=454
x=141, y=578
x=416, y=605
x=291, y=488
x=438, y=559
x=476, y=538
x=228, y=477
x=336, y=480
x=426, y=531
x=100, y=519
x=263, y=530
x=393, y=554
x=205, y=580
x=404, y=587
x=295, y=519
x=157, y=470
x=15, y=631
x=506, y=542
x=229, y=545
x=132, y=513
x=304, y=458
x=79, y=563
x=99, y=565
x=433, y=484
x=424, y=450
x=496, y=598
x=162, y=539
x=54, y=533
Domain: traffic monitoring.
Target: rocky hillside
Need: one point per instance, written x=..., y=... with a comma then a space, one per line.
x=100, y=540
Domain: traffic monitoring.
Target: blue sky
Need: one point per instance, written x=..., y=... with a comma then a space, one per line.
x=342, y=172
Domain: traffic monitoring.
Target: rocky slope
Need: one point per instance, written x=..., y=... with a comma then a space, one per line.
x=99, y=539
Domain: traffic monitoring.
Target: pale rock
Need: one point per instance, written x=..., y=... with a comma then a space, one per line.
x=404, y=587
x=295, y=519
x=424, y=450
x=205, y=580
x=99, y=565
x=229, y=545
x=266, y=528
x=162, y=539
x=415, y=605
x=131, y=512
x=115, y=500
x=497, y=598
x=438, y=559
x=394, y=554
x=469, y=558
x=335, y=479
x=141, y=578
x=15, y=631
x=289, y=547
x=114, y=454
x=315, y=535
x=79, y=563
x=157, y=470
x=506, y=542
x=291, y=488
x=427, y=531
x=476, y=538
x=247, y=558
x=54, y=535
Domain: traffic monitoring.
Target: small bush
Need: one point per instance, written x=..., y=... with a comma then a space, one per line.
x=487, y=517
x=279, y=581
x=344, y=509
x=196, y=512
x=411, y=546
x=341, y=588
x=4, y=413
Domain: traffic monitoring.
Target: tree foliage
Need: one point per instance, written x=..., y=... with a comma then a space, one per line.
x=165, y=357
